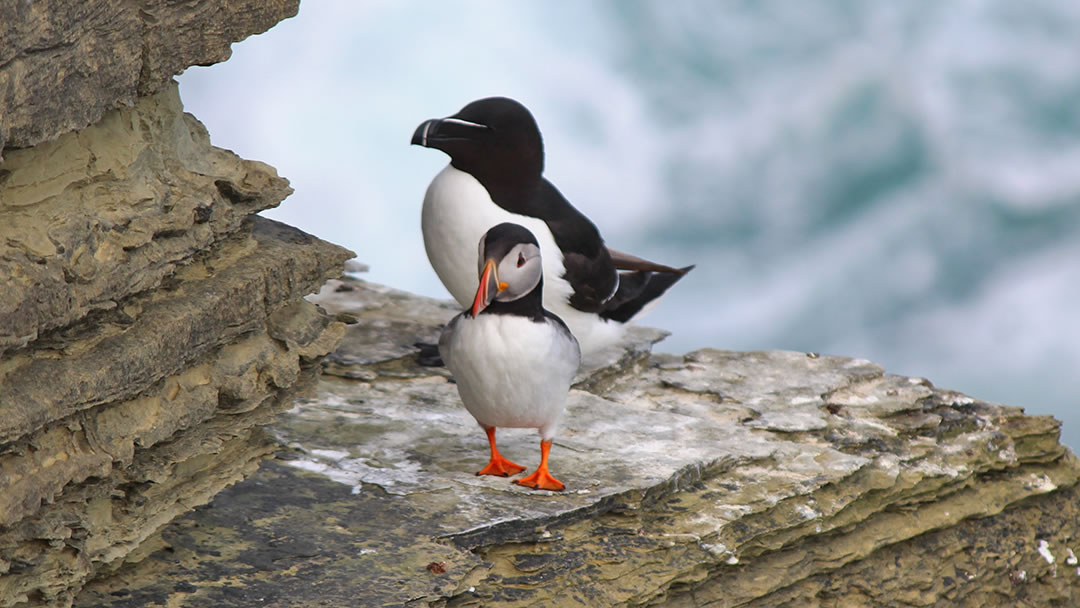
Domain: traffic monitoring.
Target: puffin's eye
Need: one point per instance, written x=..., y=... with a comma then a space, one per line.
x=521, y=260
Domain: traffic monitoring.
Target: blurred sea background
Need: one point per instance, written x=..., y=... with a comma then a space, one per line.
x=894, y=181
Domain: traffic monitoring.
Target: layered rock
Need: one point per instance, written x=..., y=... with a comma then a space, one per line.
x=111, y=210
x=83, y=490
x=151, y=324
x=715, y=478
x=65, y=63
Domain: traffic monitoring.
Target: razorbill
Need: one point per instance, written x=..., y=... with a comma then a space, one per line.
x=496, y=175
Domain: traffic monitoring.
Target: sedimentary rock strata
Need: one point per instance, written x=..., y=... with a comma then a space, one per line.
x=114, y=423
x=111, y=210
x=150, y=324
x=715, y=478
x=65, y=63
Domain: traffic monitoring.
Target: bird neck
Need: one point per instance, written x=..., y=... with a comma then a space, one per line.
x=531, y=305
x=507, y=182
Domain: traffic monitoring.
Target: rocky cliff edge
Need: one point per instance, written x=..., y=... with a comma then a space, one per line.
x=715, y=478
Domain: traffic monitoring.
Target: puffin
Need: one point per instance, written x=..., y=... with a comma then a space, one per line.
x=513, y=361
x=495, y=175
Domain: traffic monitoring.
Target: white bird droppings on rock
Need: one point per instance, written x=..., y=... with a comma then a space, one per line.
x=1044, y=551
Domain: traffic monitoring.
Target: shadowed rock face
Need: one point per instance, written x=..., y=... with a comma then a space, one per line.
x=714, y=478
x=171, y=348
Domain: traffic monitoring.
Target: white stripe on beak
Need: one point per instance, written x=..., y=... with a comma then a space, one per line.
x=458, y=121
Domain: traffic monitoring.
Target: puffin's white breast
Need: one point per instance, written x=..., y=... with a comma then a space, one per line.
x=511, y=371
x=457, y=211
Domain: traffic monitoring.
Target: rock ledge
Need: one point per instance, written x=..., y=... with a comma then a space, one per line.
x=716, y=478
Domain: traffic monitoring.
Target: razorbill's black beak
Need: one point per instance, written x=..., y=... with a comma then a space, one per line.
x=436, y=131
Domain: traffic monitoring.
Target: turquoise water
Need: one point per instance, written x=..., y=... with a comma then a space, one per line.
x=893, y=181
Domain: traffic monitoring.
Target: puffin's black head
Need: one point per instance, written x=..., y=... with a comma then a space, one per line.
x=510, y=266
x=492, y=137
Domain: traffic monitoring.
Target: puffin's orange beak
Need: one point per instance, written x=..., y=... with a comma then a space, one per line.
x=489, y=286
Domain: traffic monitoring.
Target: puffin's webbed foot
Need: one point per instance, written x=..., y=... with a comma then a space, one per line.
x=501, y=467
x=498, y=465
x=541, y=479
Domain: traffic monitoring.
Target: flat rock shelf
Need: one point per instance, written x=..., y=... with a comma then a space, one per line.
x=714, y=478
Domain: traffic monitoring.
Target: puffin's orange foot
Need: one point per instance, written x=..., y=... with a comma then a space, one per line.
x=498, y=465
x=501, y=467
x=541, y=480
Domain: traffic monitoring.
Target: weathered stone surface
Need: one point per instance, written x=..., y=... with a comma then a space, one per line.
x=113, y=209
x=64, y=63
x=715, y=478
x=150, y=325
x=233, y=379
x=213, y=301
x=1024, y=556
x=158, y=408
x=46, y=559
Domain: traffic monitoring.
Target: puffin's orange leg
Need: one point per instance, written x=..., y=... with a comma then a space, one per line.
x=541, y=479
x=498, y=465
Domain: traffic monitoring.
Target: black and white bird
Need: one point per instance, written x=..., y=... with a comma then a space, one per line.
x=512, y=360
x=496, y=175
